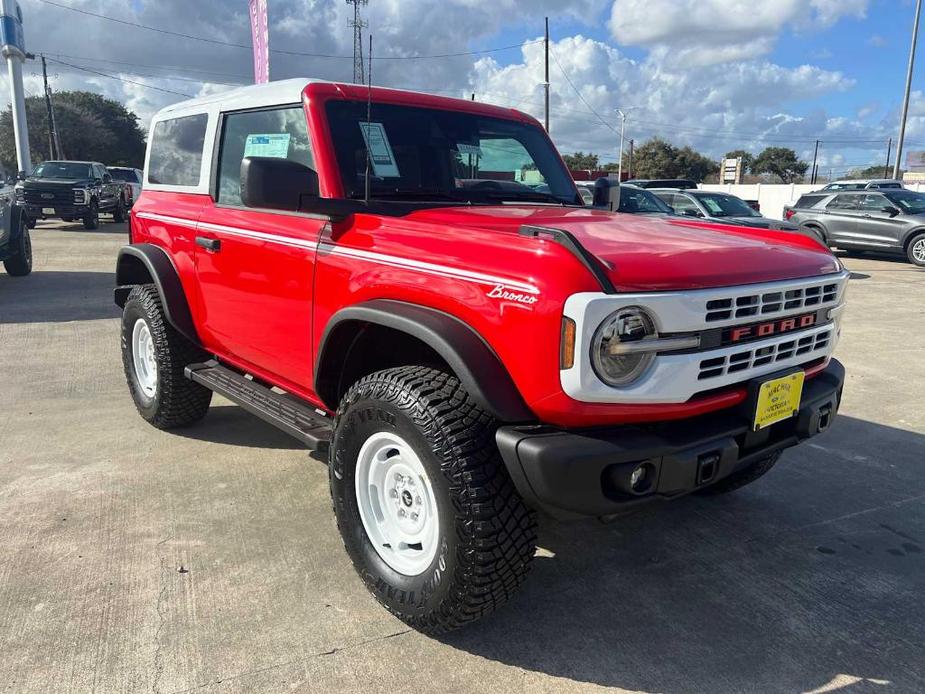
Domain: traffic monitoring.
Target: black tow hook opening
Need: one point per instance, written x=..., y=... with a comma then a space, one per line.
x=825, y=418
x=707, y=467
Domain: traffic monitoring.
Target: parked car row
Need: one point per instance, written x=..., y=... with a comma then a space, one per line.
x=77, y=190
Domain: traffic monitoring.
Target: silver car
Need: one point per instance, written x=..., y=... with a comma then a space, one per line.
x=868, y=220
x=721, y=208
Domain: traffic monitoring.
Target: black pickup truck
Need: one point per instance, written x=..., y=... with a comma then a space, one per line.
x=71, y=190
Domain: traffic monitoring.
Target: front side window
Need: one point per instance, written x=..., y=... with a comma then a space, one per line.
x=176, y=151
x=873, y=202
x=281, y=133
x=435, y=155
x=639, y=201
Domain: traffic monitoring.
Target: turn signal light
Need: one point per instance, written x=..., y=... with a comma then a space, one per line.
x=567, y=352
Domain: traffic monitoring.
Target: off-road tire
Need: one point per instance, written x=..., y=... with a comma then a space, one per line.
x=912, y=249
x=30, y=222
x=20, y=263
x=487, y=536
x=92, y=219
x=177, y=401
x=739, y=479
x=118, y=212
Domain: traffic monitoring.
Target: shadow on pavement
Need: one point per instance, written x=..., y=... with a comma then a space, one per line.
x=51, y=297
x=107, y=226
x=810, y=579
x=232, y=425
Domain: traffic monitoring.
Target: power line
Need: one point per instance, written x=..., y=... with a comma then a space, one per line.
x=248, y=46
x=571, y=84
x=120, y=79
x=51, y=54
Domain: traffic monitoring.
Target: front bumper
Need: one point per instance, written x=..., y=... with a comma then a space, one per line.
x=587, y=473
x=36, y=211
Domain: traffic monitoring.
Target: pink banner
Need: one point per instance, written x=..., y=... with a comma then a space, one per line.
x=260, y=34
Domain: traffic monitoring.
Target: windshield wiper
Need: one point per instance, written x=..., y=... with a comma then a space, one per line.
x=526, y=197
x=413, y=193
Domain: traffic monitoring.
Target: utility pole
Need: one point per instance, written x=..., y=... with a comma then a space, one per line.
x=812, y=175
x=622, y=133
x=886, y=169
x=629, y=173
x=546, y=83
x=358, y=25
x=902, y=122
x=54, y=144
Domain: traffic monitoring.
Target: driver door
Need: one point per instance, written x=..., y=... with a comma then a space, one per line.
x=876, y=226
x=256, y=267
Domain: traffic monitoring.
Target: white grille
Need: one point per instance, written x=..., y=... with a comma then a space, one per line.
x=749, y=359
x=772, y=303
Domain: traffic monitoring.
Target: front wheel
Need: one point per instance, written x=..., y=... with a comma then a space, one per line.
x=20, y=263
x=118, y=212
x=916, y=250
x=424, y=504
x=154, y=355
x=92, y=219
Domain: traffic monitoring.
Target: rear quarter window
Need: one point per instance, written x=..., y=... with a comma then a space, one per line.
x=808, y=201
x=176, y=151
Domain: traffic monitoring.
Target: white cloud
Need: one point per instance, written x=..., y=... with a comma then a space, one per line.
x=704, y=32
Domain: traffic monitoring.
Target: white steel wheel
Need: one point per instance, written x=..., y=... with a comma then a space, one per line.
x=918, y=251
x=144, y=358
x=397, y=503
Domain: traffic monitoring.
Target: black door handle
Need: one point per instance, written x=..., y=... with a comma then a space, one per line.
x=213, y=245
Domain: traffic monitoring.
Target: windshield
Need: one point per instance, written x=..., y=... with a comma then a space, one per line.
x=435, y=155
x=127, y=175
x=908, y=201
x=726, y=206
x=638, y=201
x=61, y=169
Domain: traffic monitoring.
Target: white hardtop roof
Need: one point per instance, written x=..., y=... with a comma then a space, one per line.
x=252, y=96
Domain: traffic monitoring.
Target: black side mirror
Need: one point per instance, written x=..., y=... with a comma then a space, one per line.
x=107, y=178
x=98, y=181
x=607, y=194
x=276, y=184
x=21, y=176
x=690, y=212
x=890, y=210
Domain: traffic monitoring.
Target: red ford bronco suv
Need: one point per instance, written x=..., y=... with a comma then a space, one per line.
x=414, y=284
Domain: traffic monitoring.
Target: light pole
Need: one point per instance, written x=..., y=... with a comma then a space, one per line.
x=622, y=133
x=14, y=50
x=902, y=122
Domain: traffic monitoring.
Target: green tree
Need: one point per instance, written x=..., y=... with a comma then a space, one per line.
x=657, y=158
x=748, y=159
x=90, y=127
x=579, y=161
x=781, y=162
x=875, y=171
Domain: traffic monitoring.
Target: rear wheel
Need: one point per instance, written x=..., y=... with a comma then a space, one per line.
x=915, y=251
x=92, y=218
x=20, y=263
x=118, y=213
x=424, y=504
x=154, y=356
x=739, y=479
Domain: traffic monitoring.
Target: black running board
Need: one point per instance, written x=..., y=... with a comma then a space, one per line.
x=298, y=419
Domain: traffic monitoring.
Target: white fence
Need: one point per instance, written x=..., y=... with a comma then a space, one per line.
x=773, y=196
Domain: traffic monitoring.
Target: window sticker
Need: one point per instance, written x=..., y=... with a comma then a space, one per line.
x=463, y=148
x=380, y=151
x=712, y=206
x=270, y=145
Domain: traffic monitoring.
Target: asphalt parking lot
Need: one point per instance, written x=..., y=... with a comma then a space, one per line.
x=207, y=560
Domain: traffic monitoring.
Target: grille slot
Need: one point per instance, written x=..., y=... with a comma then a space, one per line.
x=770, y=303
x=761, y=356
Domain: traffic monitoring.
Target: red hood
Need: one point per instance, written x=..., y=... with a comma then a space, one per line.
x=649, y=253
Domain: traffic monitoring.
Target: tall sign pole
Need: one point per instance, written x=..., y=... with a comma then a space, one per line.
x=546, y=83
x=13, y=48
x=260, y=36
x=902, y=123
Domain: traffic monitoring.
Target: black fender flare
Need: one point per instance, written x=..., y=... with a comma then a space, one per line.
x=471, y=358
x=165, y=278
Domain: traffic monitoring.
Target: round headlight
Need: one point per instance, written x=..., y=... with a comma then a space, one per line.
x=616, y=366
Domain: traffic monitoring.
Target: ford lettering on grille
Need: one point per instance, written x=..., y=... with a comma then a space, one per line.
x=744, y=333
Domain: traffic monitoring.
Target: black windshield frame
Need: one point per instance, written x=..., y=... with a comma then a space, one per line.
x=433, y=146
